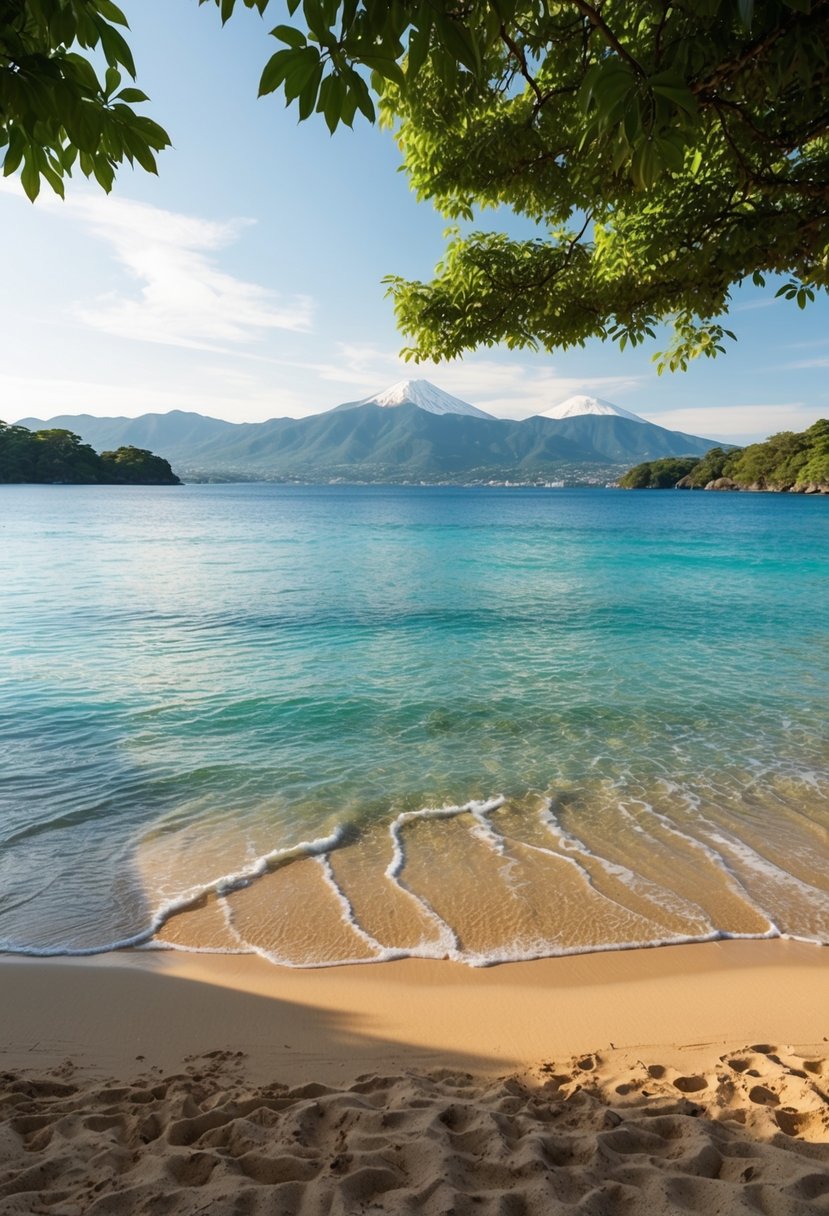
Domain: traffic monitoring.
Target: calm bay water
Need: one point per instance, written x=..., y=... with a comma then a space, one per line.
x=355, y=722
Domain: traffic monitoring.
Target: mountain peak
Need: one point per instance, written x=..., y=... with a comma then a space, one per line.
x=426, y=396
x=573, y=407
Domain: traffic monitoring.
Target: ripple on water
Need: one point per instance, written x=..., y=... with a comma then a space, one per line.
x=195, y=684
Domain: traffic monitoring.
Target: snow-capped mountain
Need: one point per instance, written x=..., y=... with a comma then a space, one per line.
x=575, y=407
x=426, y=396
x=433, y=435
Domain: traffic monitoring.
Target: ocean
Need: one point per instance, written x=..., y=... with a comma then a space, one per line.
x=337, y=724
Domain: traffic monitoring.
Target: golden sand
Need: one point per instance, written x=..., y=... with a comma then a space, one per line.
x=684, y=1079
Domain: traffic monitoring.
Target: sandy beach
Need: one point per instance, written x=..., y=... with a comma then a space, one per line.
x=689, y=1078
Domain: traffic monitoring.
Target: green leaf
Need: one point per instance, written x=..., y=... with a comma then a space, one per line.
x=645, y=165
x=314, y=18
x=84, y=125
x=459, y=41
x=632, y=123
x=14, y=152
x=111, y=12
x=139, y=150
x=308, y=95
x=293, y=37
x=676, y=91
x=104, y=173
x=330, y=103
x=671, y=151
x=54, y=179
x=81, y=71
x=115, y=48
x=349, y=106
x=387, y=68
x=585, y=93
x=275, y=71
x=68, y=155
x=301, y=68
x=612, y=85
x=131, y=96
x=418, y=50
x=30, y=177
x=360, y=93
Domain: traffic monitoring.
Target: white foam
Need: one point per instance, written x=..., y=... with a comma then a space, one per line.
x=347, y=910
x=750, y=857
x=717, y=844
x=653, y=893
x=448, y=939
x=224, y=885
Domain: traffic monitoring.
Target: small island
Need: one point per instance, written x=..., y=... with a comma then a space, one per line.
x=795, y=462
x=58, y=457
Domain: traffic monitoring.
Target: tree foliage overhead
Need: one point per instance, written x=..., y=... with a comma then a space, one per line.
x=55, y=108
x=663, y=151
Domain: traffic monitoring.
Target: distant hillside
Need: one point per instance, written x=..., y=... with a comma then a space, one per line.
x=393, y=438
x=370, y=441
x=176, y=435
x=57, y=456
x=796, y=461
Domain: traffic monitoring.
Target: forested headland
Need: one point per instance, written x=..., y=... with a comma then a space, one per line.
x=795, y=461
x=58, y=456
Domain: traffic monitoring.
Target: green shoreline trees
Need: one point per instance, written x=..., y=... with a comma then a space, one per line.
x=58, y=455
x=784, y=461
x=664, y=151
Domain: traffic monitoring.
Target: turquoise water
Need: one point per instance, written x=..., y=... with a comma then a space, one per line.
x=628, y=692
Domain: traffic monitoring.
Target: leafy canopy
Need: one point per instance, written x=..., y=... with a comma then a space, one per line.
x=55, y=108
x=664, y=151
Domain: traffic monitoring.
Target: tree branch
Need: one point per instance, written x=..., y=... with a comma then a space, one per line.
x=722, y=74
x=521, y=58
x=598, y=22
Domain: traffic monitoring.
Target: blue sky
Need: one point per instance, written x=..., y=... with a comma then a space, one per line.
x=244, y=281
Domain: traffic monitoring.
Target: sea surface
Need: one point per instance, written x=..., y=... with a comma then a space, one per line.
x=329, y=724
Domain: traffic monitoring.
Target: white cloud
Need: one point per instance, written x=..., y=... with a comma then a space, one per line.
x=803, y=364
x=753, y=305
x=514, y=391
x=26, y=396
x=737, y=423
x=177, y=293
x=255, y=391
x=506, y=388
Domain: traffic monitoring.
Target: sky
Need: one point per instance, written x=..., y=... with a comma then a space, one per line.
x=244, y=282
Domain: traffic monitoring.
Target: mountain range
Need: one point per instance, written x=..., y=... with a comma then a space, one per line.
x=412, y=430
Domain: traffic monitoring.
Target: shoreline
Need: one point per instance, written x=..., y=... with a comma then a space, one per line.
x=107, y=1012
